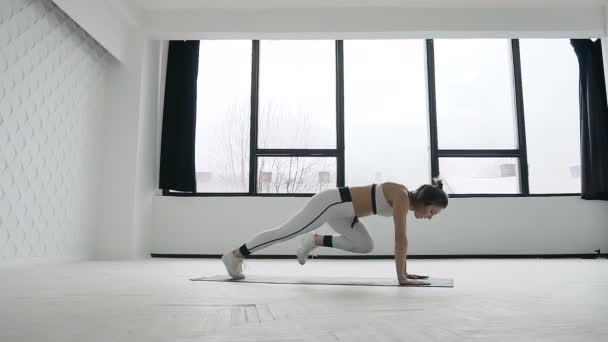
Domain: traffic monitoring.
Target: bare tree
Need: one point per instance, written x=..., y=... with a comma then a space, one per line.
x=232, y=157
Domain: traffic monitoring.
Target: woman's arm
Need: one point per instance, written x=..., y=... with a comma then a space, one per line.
x=400, y=210
x=401, y=207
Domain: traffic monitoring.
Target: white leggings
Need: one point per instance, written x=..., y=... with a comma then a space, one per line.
x=331, y=206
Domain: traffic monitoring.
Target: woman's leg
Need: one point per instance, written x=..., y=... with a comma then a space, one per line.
x=352, y=237
x=321, y=208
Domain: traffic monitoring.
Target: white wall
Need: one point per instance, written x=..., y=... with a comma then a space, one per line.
x=52, y=76
x=130, y=103
x=133, y=220
x=101, y=20
x=116, y=212
x=129, y=127
x=130, y=157
x=553, y=225
x=146, y=178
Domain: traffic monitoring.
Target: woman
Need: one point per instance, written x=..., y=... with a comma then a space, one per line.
x=341, y=209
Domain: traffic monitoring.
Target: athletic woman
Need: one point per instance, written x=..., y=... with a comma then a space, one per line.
x=341, y=209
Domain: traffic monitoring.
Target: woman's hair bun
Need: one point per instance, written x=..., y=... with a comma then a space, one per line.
x=438, y=183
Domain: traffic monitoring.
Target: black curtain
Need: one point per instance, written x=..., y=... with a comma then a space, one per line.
x=594, y=119
x=177, y=170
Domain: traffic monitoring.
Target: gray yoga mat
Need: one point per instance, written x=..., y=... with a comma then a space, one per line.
x=345, y=281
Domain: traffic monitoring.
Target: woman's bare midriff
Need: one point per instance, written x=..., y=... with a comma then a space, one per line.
x=362, y=198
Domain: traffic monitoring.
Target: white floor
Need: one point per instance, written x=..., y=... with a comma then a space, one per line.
x=153, y=300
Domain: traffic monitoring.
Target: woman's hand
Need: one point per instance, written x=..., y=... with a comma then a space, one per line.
x=414, y=276
x=412, y=282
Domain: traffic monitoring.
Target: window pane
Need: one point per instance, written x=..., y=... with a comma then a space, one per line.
x=386, y=120
x=475, y=98
x=223, y=116
x=550, y=87
x=296, y=174
x=480, y=175
x=297, y=94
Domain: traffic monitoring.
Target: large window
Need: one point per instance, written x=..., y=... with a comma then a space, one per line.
x=476, y=116
x=297, y=94
x=386, y=117
x=474, y=85
x=296, y=174
x=296, y=116
x=223, y=116
x=493, y=117
x=481, y=175
x=550, y=89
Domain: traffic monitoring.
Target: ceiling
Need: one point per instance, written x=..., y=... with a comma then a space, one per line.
x=154, y=5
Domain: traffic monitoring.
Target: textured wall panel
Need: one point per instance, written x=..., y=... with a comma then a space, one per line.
x=51, y=87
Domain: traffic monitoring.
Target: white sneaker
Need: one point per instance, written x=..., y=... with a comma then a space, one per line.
x=234, y=265
x=307, y=244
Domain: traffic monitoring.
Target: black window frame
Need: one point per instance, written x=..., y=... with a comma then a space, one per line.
x=435, y=153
